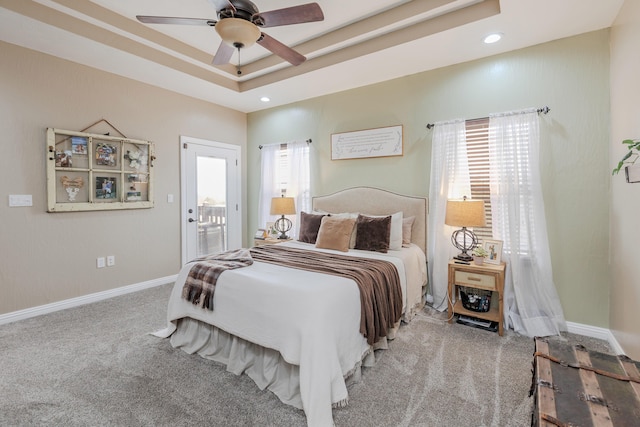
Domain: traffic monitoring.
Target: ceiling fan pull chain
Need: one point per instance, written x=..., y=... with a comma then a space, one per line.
x=238, y=70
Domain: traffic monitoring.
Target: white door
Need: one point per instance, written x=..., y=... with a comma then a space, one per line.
x=211, y=219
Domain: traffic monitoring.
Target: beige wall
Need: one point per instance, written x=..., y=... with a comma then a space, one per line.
x=571, y=76
x=625, y=198
x=52, y=257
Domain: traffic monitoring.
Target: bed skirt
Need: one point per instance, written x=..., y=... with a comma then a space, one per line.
x=265, y=366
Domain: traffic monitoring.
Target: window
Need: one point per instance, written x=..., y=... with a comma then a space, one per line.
x=289, y=174
x=282, y=169
x=285, y=171
x=477, y=141
x=477, y=138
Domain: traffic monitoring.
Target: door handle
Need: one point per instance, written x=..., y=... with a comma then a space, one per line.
x=191, y=220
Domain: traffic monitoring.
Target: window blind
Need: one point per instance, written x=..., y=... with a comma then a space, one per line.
x=477, y=136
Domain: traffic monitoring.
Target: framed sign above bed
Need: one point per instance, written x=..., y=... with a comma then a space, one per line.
x=91, y=172
x=362, y=144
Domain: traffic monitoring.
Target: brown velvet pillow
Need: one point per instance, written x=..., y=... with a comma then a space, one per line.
x=309, y=227
x=335, y=233
x=373, y=233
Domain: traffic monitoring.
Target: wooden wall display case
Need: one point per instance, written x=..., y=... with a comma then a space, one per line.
x=90, y=172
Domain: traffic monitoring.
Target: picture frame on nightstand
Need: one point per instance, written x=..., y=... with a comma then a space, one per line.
x=494, y=250
x=271, y=231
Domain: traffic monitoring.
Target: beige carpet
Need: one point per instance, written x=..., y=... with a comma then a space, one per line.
x=97, y=365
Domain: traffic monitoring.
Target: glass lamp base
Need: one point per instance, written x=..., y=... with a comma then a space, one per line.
x=464, y=240
x=283, y=225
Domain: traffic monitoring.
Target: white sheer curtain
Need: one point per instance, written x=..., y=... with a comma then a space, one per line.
x=270, y=183
x=449, y=179
x=298, y=182
x=532, y=306
x=293, y=174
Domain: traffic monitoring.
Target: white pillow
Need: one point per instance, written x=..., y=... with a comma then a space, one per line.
x=395, y=239
x=407, y=225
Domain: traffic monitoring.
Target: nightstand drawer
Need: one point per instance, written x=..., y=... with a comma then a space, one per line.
x=262, y=242
x=481, y=281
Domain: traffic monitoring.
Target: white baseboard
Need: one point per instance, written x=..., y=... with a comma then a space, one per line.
x=85, y=299
x=596, y=332
x=575, y=328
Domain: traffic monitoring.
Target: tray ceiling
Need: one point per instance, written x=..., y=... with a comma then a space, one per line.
x=359, y=42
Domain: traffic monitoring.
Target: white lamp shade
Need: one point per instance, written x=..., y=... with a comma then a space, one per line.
x=238, y=33
x=283, y=206
x=465, y=213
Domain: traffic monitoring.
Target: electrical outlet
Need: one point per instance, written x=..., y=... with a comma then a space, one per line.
x=111, y=260
x=100, y=262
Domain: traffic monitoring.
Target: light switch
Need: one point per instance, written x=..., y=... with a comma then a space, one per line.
x=169, y=198
x=20, y=200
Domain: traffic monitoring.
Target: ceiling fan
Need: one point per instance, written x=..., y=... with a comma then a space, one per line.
x=239, y=23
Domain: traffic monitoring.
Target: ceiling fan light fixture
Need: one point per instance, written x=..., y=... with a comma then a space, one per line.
x=237, y=32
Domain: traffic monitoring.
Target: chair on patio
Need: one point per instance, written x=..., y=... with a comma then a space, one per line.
x=211, y=225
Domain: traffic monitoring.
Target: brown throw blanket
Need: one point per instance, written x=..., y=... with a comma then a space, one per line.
x=378, y=281
x=200, y=284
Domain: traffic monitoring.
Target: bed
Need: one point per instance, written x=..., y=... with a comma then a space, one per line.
x=297, y=332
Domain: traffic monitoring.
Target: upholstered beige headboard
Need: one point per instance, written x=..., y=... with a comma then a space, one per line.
x=375, y=201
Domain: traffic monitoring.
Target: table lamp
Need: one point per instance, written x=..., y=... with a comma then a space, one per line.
x=464, y=213
x=283, y=206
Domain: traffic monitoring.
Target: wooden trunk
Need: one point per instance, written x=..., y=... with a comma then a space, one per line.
x=576, y=387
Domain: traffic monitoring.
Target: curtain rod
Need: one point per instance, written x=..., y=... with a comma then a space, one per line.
x=543, y=110
x=308, y=141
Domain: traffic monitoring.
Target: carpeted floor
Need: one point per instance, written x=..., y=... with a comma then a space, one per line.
x=97, y=365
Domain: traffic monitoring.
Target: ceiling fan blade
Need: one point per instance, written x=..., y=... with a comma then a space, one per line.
x=283, y=51
x=221, y=4
x=309, y=12
x=172, y=20
x=223, y=55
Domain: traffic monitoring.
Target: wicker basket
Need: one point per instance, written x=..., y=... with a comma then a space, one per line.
x=475, y=299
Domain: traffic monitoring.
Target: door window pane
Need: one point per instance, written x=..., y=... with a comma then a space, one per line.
x=212, y=205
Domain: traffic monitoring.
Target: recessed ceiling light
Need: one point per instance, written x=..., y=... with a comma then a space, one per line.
x=265, y=99
x=492, y=38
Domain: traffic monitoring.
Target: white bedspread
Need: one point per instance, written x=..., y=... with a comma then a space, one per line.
x=312, y=319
